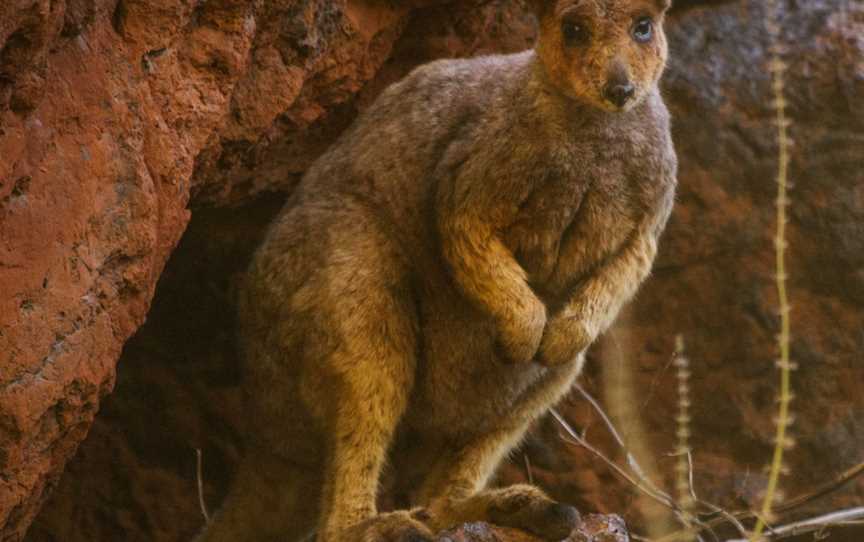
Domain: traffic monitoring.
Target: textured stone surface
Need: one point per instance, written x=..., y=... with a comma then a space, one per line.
x=113, y=115
x=90, y=208
x=594, y=528
x=107, y=109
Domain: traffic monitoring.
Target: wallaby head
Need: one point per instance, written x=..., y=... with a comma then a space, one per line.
x=605, y=53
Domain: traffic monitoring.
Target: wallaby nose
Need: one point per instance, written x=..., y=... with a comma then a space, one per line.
x=619, y=94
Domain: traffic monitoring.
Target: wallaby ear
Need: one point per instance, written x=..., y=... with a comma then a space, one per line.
x=664, y=5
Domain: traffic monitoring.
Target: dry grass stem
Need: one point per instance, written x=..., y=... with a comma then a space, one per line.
x=849, y=516
x=784, y=419
x=528, y=471
x=199, y=476
x=631, y=460
x=576, y=438
x=722, y=516
x=684, y=463
x=844, y=477
x=640, y=483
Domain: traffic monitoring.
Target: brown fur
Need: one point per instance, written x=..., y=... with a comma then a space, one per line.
x=429, y=288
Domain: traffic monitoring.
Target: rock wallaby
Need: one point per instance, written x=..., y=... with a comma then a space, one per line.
x=434, y=280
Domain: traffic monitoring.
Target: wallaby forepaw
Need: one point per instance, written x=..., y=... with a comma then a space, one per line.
x=562, y=341
x=529, y=509
x=519, y=339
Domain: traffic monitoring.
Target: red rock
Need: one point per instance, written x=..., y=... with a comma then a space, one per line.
x=105, y=109
x=594, y=528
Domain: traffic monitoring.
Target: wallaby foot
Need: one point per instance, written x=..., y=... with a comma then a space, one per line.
x=390, y=527
x=519, y=506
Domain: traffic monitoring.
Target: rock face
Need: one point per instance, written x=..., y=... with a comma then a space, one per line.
x=594, y=528
x=115, y=116
x=111, y=114
x=91, y=205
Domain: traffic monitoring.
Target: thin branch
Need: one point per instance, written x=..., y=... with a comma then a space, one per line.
x=631, y=460
x=735, y=518
x=713, y=507
x=576, y=438
x=198, y=470
x=643, y=483
x=528, y=472
x=849, y=516
x=844, y=477
x=648, y=489
x=597, y=408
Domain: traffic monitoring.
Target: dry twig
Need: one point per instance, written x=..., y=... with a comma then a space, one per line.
x=528, y=471
x=850, y=516
x=640, y=482
x=721, y=516
x=198, y=472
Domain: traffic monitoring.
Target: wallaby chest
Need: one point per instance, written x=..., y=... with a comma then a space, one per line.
x=578, y=214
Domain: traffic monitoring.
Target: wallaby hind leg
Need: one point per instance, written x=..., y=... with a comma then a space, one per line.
x=372, y=376
x=458, y=494
x=270, y=500
x=455, y=493
x=362, y=385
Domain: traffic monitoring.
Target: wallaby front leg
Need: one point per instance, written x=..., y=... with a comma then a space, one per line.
x=595, y=302
x=484, y=269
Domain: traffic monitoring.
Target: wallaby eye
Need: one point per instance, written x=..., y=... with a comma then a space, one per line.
x=643, y=30
x=575, y=33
